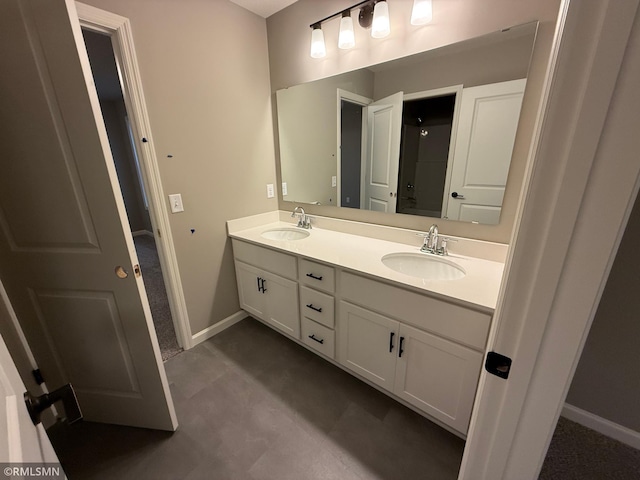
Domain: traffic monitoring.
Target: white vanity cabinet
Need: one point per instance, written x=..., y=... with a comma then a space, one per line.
x=423, y=347
x=264, y=291
x=435, y=374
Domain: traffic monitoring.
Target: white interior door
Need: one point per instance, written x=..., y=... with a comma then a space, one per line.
x=487, y=128
x=20, y=440
x=384, y=125
x=64, y=238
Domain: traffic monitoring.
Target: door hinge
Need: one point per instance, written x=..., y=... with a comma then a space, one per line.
x=37, y=375
x=498, y=364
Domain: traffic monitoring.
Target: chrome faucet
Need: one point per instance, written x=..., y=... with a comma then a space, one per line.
x=430, y=244
x=434, y=243
x=303, y=220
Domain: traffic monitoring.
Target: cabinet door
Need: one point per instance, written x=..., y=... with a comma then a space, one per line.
x=282, y=309
x=251, y=297
x=438, y=376
x=367, y=344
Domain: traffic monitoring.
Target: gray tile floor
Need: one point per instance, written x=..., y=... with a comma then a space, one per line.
x=253, y=405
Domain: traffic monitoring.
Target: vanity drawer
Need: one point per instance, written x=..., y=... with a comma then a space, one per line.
x=316, y=275
x=454, y=322
x=318, y=337
x=317, y=306
x=270, y=260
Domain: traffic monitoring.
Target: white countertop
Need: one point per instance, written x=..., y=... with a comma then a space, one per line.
x=479, y=287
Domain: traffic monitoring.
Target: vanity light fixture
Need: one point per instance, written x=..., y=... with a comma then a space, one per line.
x=422, y=12
x=347, y=38
x=380, y=26
x=318, y=49
x=373, y=14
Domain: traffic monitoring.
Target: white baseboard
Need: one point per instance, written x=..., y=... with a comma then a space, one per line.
x=209, y=332
x=142, y=232
x=602, y=425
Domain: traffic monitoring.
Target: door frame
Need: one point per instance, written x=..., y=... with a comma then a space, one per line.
x=581, y=152
x=118, y=28
x=363, y=102
x=441, y=92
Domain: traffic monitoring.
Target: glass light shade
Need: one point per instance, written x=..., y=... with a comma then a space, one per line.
x=380, y=26
x=318, y=49
x=347, y=37
x=422, y=12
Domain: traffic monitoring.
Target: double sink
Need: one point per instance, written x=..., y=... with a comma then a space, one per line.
x=419, y=265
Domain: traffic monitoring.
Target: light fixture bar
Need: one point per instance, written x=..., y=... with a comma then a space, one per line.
x=336, y=15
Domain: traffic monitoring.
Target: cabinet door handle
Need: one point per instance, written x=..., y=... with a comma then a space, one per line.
x=400, y=350
x=391, y=335
x=259, y=287
x=317, y=309
x=263, y=289
x=314, y=277
x=313, y=337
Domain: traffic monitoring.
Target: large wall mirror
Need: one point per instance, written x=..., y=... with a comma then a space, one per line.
x=431, y=134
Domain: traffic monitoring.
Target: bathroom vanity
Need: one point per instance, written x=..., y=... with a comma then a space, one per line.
x=415, y=326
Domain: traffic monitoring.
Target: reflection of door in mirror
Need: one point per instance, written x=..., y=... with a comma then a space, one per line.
x=384, y=119
x=427, y=125
x=486, y=134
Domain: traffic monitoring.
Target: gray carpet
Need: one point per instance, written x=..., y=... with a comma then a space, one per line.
x=579, y=453
x=157, y=294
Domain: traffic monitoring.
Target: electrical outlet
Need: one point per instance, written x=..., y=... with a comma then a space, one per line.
x=284, y=189
x=270, y=190
x=334, y=181
x=175, y=200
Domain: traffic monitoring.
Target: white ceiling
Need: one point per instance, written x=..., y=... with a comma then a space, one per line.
x=264, y=8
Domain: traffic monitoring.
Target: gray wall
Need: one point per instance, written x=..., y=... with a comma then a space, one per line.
x=290, y=64
x=205, y=74
x=484, y=64
x=607, y=379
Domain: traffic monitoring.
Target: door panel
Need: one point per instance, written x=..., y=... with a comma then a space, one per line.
x=249, y=289
x=365, y=344
x=64, y=228
x=283, y=311
x=486, y=134
x=20, y=440
x=438, y=376
x=384, y=124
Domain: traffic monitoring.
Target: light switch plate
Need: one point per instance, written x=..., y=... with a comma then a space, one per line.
x=175, y=200
x=284, y=189
x=270, y=190
x=334, y=181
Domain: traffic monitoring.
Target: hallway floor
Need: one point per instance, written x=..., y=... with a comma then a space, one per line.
x=157, y=295
x=253, y=405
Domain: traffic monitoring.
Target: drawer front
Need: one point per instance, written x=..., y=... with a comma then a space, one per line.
x=270, y=260
x=316, y=275
x=317, y=306
x=318, y=337
x=454, y=322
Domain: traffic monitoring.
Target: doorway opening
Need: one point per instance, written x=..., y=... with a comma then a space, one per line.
x=350, y=153
x=426, y=137
x=132, y=186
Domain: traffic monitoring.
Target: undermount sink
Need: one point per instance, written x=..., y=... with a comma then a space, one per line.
x=420, y=265
x=287, y=234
